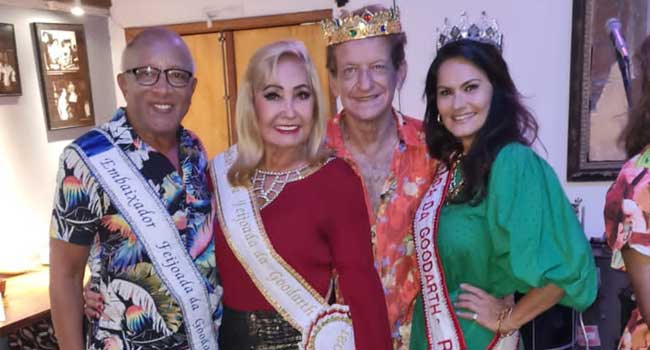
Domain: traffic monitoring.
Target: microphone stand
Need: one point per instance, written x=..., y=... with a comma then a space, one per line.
x=624, y=66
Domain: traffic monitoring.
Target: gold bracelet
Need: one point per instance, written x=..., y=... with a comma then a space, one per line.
x=502, y=315
x=507, y=314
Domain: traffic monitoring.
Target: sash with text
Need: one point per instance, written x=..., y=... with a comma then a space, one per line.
x=150, y=221
x=323, y=326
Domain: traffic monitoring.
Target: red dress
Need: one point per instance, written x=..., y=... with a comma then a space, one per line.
x=318, y=224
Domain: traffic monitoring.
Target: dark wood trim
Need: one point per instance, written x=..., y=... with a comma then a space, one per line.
x=231, y=83
x=579, y=167
x=25, y=322
x=333, y=109
x=106, y=4
x=578, y=37
x=222, y=25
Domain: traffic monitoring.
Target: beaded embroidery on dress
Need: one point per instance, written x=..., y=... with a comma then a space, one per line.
x=267, y=185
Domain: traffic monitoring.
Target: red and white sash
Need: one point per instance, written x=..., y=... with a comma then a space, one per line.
x=442, y=328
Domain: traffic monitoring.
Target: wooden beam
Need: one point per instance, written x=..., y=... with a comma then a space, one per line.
x=241, y=23
x=231, y=83
x=106, y=4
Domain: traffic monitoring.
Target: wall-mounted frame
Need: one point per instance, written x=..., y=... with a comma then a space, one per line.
x=597, y=105
x=9, y=72
x=65, y=81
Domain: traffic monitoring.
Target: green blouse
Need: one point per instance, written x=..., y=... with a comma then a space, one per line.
x=523, y=235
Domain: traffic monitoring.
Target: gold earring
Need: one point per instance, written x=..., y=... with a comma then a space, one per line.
x=439, y=119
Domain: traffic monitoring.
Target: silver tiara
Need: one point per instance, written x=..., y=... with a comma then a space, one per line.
x=485, y=30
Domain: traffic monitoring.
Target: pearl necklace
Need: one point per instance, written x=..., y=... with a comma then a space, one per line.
x=279, y=179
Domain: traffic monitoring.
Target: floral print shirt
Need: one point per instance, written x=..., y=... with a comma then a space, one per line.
x=139, y=311
x=411, y=173
x=627, y=223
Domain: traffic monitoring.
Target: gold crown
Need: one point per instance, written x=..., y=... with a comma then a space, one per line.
x=366, y=25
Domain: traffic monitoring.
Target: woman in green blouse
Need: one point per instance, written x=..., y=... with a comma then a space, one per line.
x=496, y=220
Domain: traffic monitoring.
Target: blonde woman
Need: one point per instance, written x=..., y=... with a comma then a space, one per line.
x=289, y=216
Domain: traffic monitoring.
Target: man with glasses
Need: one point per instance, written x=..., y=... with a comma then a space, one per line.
x=132, y=201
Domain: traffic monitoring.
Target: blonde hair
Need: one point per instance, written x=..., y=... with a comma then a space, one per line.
x=261, y=67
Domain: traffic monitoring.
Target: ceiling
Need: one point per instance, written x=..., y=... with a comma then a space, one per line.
x=93, y=7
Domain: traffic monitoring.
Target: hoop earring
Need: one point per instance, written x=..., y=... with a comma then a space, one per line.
x=439, y=119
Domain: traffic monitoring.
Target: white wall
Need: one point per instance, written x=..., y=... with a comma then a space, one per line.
x=28, y=152
x=537, y=48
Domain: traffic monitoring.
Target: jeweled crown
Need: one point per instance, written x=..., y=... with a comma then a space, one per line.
x=366, y=25
x=485, y=30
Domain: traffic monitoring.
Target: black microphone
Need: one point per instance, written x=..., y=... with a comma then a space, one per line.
x=613, y=27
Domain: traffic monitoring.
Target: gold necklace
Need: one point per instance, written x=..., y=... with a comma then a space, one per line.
x=457, y=181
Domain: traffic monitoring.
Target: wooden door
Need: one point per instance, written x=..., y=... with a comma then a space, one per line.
x=248, y=41
x=208, y=114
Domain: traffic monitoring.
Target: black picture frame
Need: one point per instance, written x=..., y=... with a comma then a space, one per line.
x=64, y=74
x=597, y=104
x=9, y=70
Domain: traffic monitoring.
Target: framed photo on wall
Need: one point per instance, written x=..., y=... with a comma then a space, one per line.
x=598, y=106
x=9, y=73
x=65, y=80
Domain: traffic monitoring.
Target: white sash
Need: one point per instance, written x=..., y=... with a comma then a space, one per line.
x=323, y=327
x=442, y=328
x=142, y=208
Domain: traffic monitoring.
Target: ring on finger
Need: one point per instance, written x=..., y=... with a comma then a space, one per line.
x=475, y=316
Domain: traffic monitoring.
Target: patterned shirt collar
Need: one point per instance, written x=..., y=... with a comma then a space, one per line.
x=408, y=133
x=124, y=135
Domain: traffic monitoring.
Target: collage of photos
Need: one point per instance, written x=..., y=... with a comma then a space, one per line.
x=64, y=73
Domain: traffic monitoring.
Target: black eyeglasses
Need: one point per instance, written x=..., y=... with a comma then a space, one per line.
x=148, y=76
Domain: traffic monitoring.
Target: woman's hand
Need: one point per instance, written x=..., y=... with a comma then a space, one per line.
x=482, y=307
x=93, y=303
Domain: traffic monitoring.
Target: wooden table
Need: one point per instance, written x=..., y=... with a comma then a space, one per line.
x=27, y=300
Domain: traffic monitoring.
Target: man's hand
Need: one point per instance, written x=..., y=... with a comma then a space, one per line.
x=93, y=302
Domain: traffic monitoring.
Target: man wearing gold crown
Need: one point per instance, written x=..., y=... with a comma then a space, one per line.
x=365, y=59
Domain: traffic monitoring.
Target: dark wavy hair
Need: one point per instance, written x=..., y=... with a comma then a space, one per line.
x=636, y=136
x=508, y=119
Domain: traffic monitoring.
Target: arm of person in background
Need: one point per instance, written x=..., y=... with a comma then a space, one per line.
x=638, y=268
x=67, y=264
